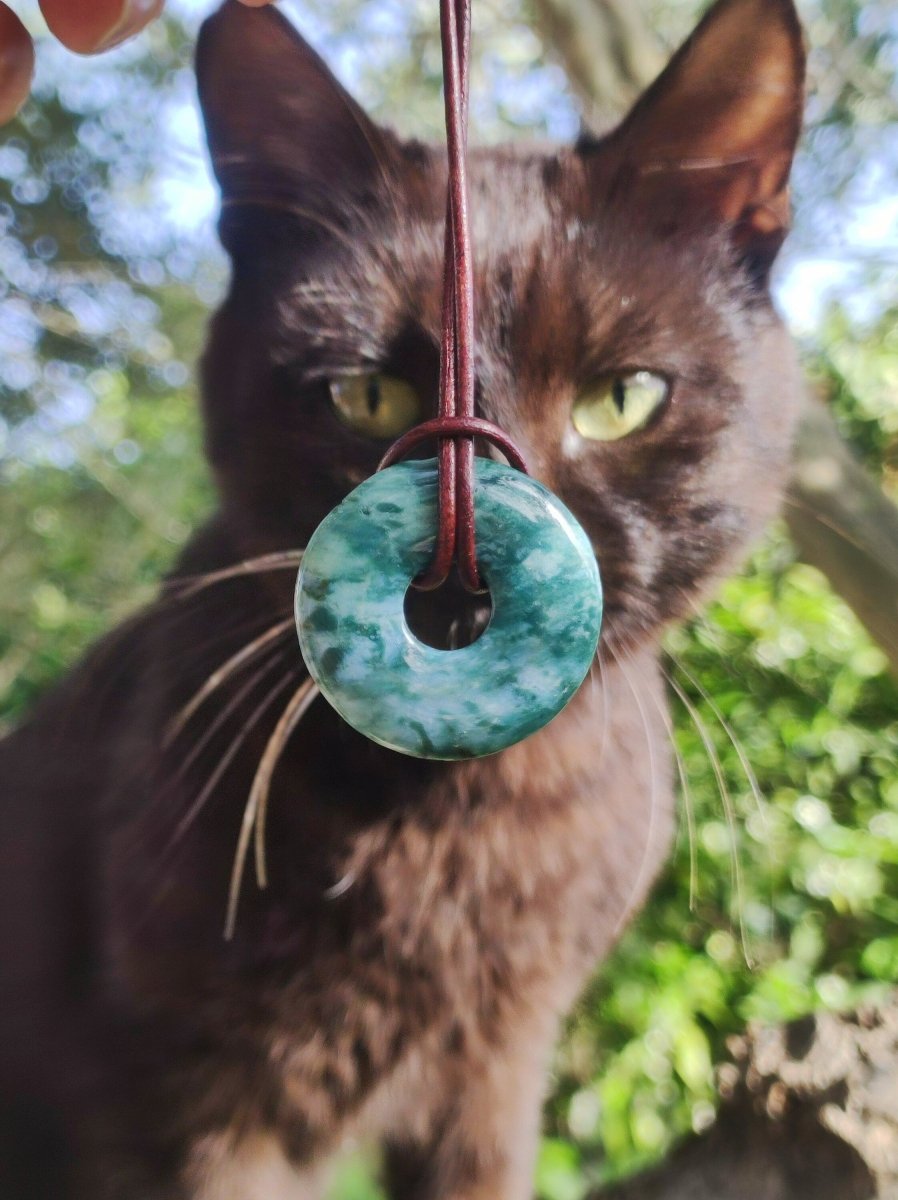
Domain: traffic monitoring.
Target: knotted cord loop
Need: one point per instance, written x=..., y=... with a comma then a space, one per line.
x=456, y=426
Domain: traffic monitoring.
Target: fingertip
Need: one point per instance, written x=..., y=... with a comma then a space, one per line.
x=16, y=64
x=92, y=26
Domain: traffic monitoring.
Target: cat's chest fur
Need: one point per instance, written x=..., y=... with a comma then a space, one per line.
x=410, y=922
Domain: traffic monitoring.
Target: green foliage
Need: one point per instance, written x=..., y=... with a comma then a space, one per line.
x=859, y=380
x=84, y=543
x=354, y=1179
x=794, y=903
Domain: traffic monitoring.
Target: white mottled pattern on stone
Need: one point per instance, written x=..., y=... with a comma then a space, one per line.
x=448, y=704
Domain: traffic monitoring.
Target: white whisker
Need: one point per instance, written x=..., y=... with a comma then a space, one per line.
x=653, y=794
x=688, y=802
x=341, y=887
x=727, y=801
x=606, y=708
x=258, y=798
x=184, y=587
x=225, y=761
x=744, y=762
x=244, y=655
x=216, y=724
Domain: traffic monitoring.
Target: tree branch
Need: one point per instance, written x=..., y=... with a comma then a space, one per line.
x=844, y=525
x=606, y=48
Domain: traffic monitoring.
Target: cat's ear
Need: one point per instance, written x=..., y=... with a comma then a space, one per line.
x=713, y=138
x=281, y=129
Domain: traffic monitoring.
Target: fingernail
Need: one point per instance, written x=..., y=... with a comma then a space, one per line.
x=136, y=14
x=91, y=26
x=16, y=64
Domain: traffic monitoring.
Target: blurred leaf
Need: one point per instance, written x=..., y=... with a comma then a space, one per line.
x=558, y=1175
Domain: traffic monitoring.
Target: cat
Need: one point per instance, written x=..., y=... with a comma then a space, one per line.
x=426, y=925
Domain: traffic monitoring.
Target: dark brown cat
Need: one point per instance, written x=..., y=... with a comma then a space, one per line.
x=426, y=925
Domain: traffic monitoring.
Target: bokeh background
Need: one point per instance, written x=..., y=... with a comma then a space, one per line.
x=781, y=898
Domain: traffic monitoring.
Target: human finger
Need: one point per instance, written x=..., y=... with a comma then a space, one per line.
x=16, y=63
x=90, y=26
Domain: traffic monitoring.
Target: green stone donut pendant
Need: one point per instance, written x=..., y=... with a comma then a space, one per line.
x=448, y=704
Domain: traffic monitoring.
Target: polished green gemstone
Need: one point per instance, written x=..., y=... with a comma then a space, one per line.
x=448, y=704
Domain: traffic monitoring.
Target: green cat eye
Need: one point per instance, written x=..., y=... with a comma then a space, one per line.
x=619, y=405
x=379, y=406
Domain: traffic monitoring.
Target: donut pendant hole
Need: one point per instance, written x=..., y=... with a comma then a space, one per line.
x=449, y=617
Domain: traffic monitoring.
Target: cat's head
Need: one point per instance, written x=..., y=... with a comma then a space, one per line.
x=626, y=338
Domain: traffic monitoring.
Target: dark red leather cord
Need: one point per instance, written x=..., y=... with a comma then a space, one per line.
x=456, y=426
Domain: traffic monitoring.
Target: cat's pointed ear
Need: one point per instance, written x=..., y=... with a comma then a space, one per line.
x=281, y=128
x=715, y=135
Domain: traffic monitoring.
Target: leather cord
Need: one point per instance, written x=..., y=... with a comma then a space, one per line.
x=456, y=426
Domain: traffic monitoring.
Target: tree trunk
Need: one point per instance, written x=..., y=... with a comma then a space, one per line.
x=839, y=518
x=605, y=48
x=810, y=1112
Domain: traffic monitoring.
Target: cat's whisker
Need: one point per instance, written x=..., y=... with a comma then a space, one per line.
x=227, y=758
x=341, y=887
x=296, y=210
x=596, y=685
x=235, y=702
x=187, y=586
x=727, y=728
x=729, y=810
x=688, y=800
x=725, y=662
x=744, y=761
x=863, y=546
x=237, y=661
x=169, y=650
x=160, y=863
x=689, y=806
x=653, y=794
x=273, y=752
x=258, y=797
x=227, y=634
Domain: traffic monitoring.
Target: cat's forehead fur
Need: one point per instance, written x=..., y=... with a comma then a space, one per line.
x=565, y=290
x=560, y=282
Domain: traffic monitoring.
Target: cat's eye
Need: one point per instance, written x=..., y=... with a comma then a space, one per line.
x=379, y=406
x=619, y=405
